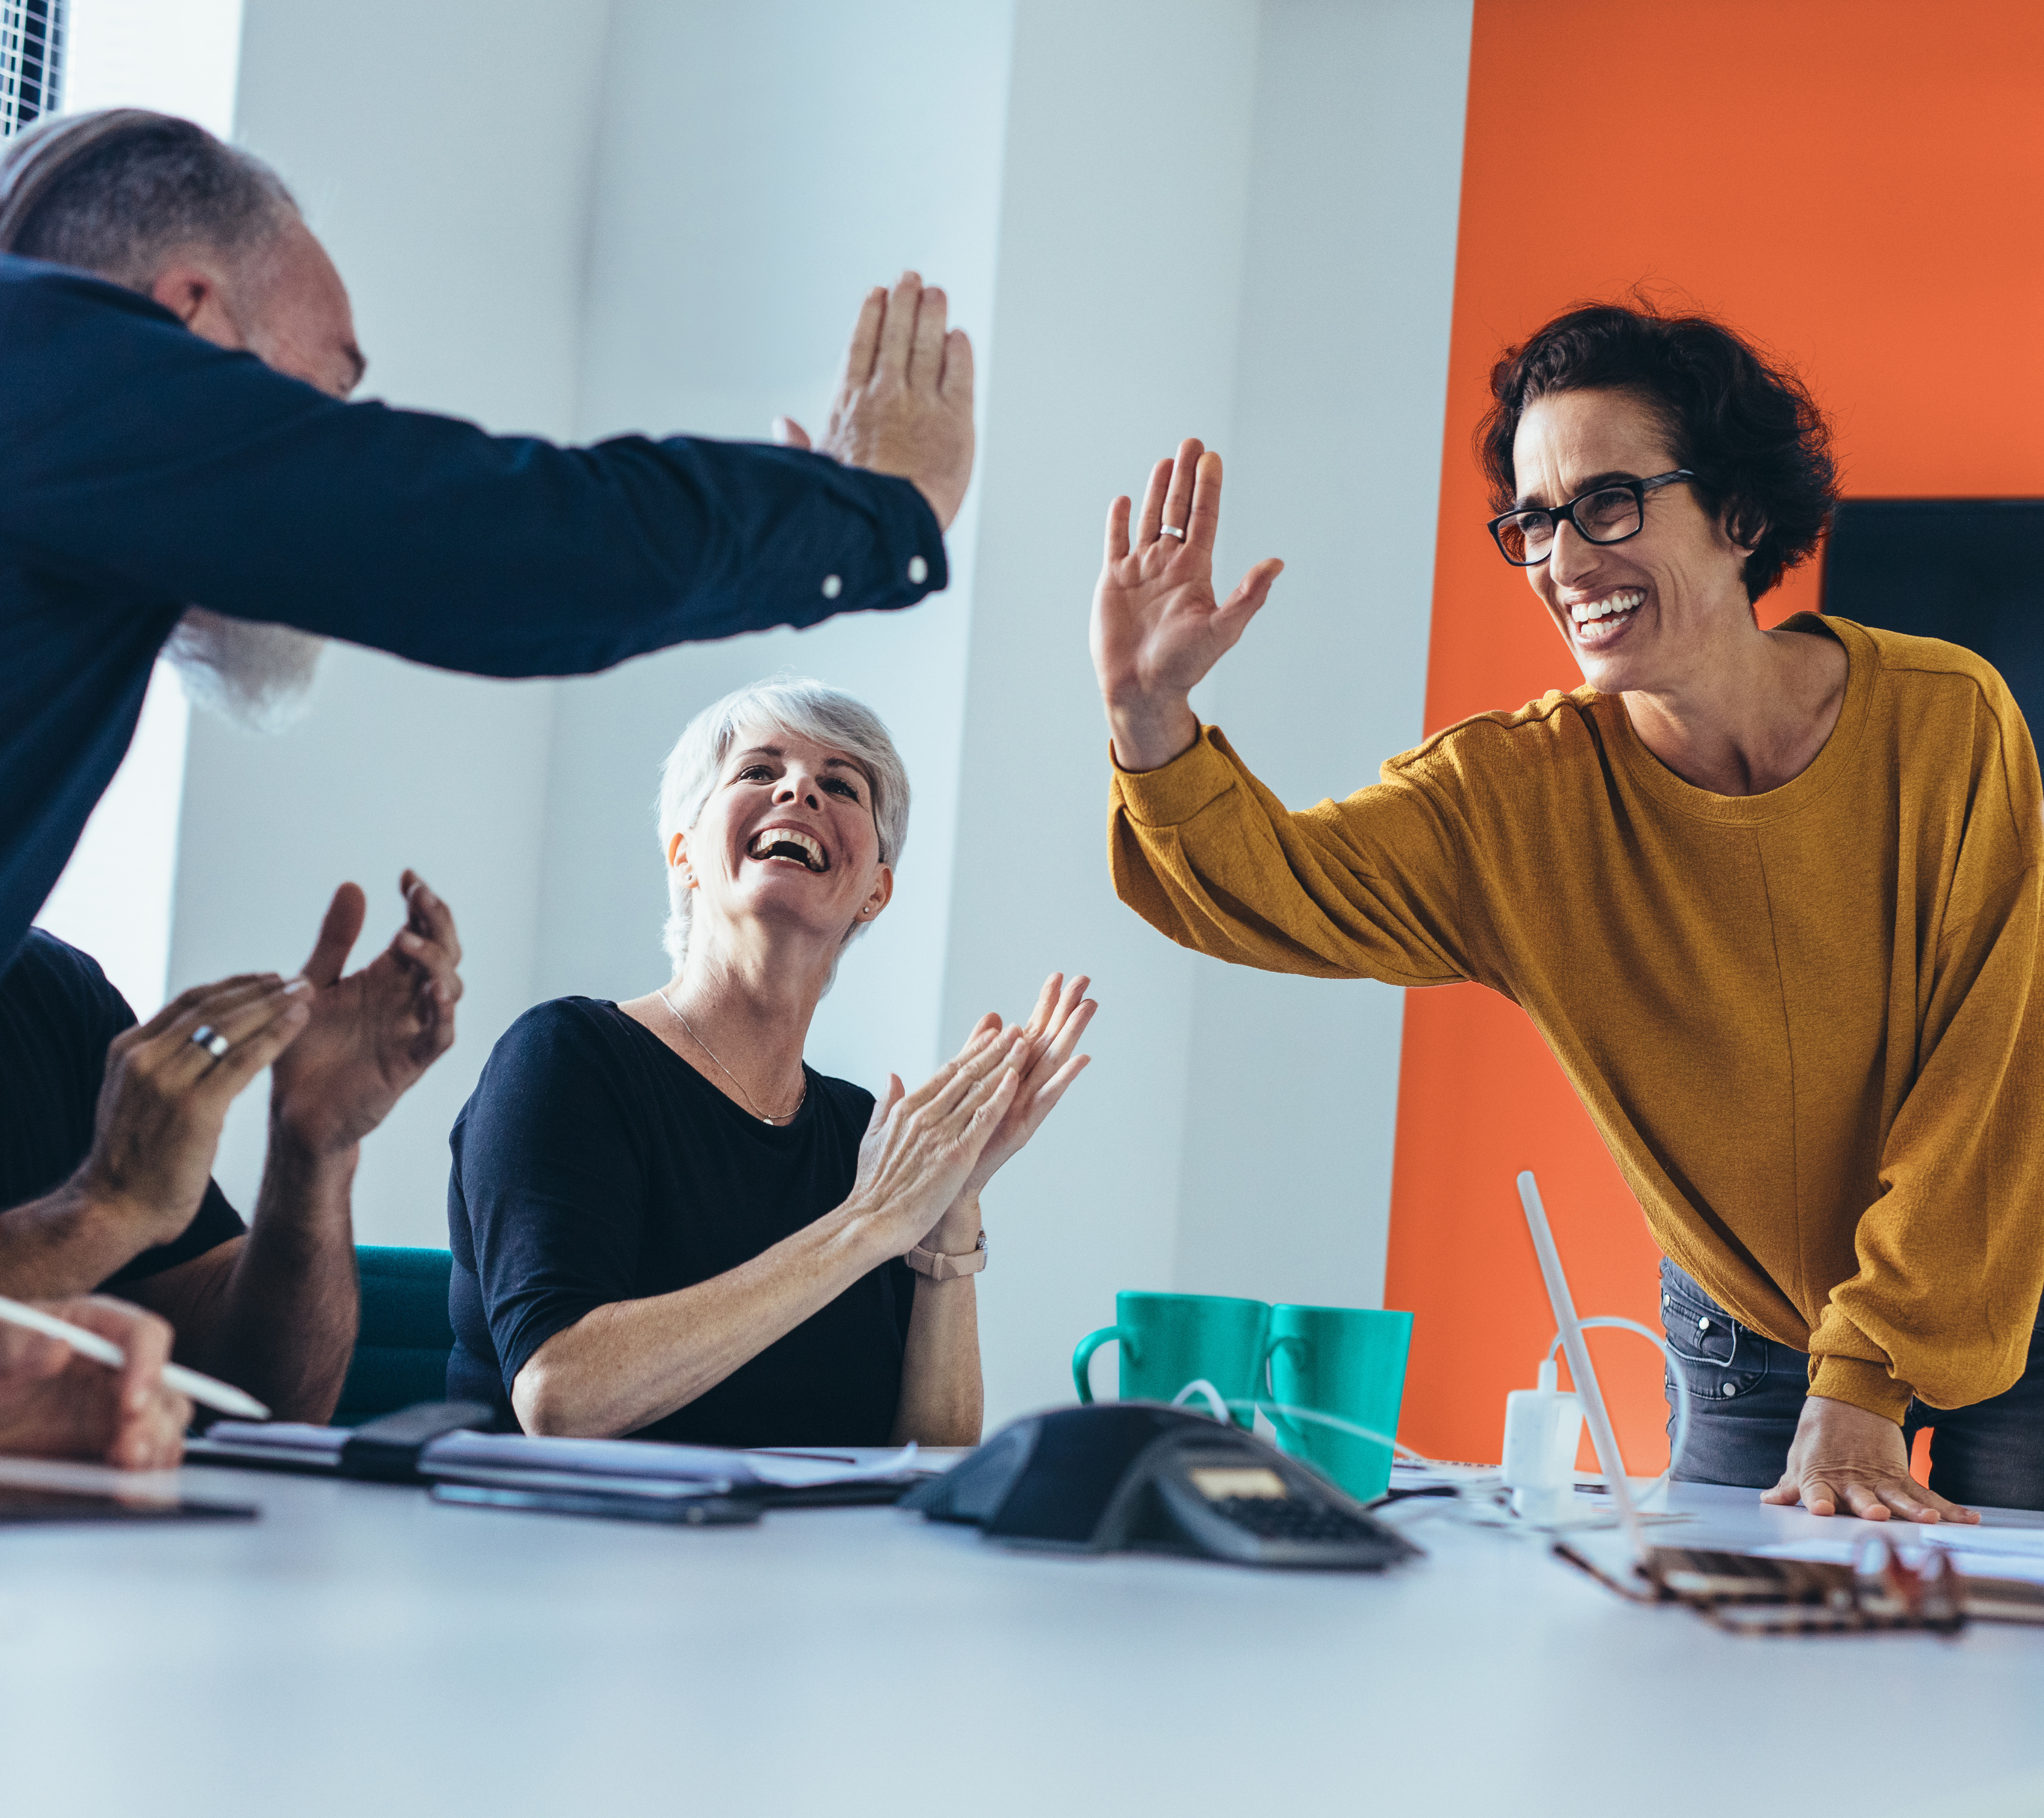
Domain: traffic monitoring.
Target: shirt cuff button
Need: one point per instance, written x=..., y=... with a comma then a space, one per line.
x=919, y=569
x=832, y=586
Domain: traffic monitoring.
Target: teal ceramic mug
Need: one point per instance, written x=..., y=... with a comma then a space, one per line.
x=1168, y=1340
x=1348, y=1362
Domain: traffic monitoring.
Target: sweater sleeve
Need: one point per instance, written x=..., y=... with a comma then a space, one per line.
x=141, y=460
x=1366, y=888
x=1951, y=1254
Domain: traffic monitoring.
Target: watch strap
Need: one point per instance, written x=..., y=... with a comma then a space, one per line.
x=940, y=1267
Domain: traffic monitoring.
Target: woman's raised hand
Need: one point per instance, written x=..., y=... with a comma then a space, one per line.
x=1156, y=628
x=920, y=1145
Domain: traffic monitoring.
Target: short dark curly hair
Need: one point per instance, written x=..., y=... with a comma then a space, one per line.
x=1748, y=429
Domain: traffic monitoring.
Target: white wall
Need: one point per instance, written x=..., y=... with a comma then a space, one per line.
x=720, y=289
x=1155, y=216
x=1341, y=388
x=1254, y=242
x=1122, y=229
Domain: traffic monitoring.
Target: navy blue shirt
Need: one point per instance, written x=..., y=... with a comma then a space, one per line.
x=58, y=1014
x=143, y=469
x=593, y=1164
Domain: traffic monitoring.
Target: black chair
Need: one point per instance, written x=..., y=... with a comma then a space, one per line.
x=400, y=1353
x=1965, y=570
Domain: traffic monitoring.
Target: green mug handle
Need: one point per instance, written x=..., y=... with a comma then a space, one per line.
x=1083, y=1356
x=1286, y=1431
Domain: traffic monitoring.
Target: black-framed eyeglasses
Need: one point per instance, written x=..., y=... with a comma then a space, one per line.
x=1610, y=513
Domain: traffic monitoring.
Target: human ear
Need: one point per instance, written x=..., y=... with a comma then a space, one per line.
x=1744, y=536
x=194, y=294
x=881, y=893
x=678, y=853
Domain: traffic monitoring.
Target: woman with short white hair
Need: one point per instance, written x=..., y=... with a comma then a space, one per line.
x=664, y=1223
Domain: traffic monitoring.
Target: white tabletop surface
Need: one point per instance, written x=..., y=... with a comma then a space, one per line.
x=361, y=1649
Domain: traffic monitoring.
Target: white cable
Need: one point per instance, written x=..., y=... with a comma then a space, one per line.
x=1199, y=1386
x=1221, y=1406
x=1481, y=1495
x=1611, y=1322
x=1339, y=1425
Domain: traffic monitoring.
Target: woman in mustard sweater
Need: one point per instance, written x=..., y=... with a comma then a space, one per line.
x=1772, y=898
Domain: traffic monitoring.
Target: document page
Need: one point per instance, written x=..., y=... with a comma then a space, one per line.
x=1983, y=1552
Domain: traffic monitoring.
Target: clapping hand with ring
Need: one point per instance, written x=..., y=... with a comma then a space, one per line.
x=165, y=1091
x=343, y=1049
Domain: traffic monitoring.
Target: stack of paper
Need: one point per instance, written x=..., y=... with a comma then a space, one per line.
x=519, y=1461
x=288, y=1444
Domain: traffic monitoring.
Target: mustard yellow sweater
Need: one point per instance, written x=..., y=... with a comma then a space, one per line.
x=1807, y=1023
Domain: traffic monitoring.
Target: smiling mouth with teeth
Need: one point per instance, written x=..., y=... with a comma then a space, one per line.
x=1589, y=612
x=789, y=843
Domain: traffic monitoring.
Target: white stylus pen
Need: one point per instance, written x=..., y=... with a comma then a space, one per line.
x=223, y=1395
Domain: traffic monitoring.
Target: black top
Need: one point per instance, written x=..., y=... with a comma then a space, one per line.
x=593, y=1164
x=143, y=469
x=57, y=1012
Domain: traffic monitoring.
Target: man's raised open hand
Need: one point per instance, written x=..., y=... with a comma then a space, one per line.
x=1157, y=628
x=904, y=402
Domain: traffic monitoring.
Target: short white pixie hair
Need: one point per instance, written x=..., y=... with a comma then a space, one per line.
x=805, y=709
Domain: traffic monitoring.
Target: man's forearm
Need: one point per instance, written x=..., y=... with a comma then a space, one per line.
x=281, y=1321
x=65, y=1244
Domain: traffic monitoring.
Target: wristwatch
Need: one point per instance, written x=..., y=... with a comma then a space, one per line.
x=940, y=1267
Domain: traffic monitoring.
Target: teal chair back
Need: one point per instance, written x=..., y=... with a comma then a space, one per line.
x=400, y=1353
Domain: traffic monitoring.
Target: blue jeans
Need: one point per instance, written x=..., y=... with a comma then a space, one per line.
x=1746, y=1395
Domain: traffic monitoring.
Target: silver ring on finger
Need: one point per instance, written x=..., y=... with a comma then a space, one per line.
x=1170, y=530
x=207, y=1036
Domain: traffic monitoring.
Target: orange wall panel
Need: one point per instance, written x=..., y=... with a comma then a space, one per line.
x=1856, y=185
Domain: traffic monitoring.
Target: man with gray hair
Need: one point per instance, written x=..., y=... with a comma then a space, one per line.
x=149, y=466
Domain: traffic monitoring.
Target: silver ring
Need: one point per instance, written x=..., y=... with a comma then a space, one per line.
x=1170, y=530
x=210, y=1039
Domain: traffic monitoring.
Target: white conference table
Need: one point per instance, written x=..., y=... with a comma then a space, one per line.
x=362, y=1650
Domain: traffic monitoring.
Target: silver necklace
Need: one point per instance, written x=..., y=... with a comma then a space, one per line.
x=781, y=1117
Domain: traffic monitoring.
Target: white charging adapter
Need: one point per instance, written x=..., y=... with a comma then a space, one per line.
x=1542, y=1428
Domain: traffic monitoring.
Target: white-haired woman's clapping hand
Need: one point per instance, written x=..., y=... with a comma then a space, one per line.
x=921, y=1145
x=1045, y=1066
